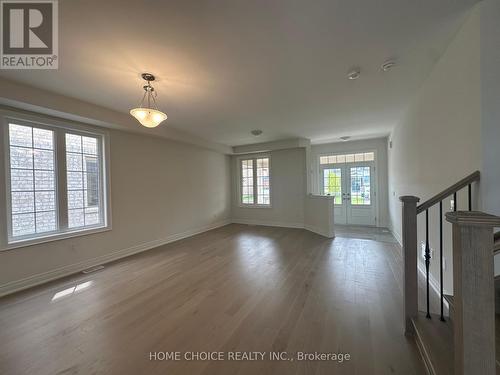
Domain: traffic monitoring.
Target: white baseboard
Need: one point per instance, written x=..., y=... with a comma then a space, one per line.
x=284, y=225
x=319, y=231
x=268, y=223
x=18, y=285
x=41, y=278
x=433, y=283
x=396, y=236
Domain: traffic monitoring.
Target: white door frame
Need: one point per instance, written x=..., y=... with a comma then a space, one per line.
x=368, y=215
x=345, y=168
x=340, y=215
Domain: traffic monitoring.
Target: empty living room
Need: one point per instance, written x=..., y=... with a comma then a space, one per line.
x=208, y=187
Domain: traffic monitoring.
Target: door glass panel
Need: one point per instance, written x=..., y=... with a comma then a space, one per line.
x=360, y=186
x=332, y=183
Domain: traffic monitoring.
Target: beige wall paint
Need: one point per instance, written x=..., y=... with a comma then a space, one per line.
x=288, y=191
x=437, y=142
x=160, y=189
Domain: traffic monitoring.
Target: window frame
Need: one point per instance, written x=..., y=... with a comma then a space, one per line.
x=322, y=186
x=370, y=165
x=345, y=153
x=60, y=128
x=253, y=157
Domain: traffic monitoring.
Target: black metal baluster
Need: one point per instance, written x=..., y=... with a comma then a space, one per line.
x=427, y=258
x=454, y=201
x=470, y=197
x=441, y=256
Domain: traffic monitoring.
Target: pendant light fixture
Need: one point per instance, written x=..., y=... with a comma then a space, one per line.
x=147, y=113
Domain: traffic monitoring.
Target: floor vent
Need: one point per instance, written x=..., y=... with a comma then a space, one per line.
x=93, y=269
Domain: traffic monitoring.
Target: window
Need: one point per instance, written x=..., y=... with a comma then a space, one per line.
x=247, y=182
x=332, y=183
x=82, y=181
x=347, y=158
x=255, y=188
x=32, y=181
x=55, y=181
x=360, y=186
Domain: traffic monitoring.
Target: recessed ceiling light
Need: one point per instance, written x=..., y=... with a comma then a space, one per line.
x=256, y=132
x=345, y=138
x=354, y=74
x=387, y=65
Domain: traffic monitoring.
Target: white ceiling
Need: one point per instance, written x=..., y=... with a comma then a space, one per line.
x=227, y=67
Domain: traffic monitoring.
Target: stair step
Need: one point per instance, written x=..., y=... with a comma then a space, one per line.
x=434, y=333
x=435, y=342
x=451, y=308
x=449, y=299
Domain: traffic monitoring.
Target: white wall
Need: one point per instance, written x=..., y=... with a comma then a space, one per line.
x=490, y=110
x=490, y=105
x=379, y=145
x=319, y=214
x=160, y=190
x=437, y=142
x=288, y=191
x=18, y=95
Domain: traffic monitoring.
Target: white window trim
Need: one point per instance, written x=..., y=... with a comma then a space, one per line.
x=21, y=118
x=374, y=163
x=319, y=156
x=318, y=166
x=254, y=157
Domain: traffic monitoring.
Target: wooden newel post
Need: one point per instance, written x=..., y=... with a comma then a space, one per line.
x=473, y=289
x=410, y=280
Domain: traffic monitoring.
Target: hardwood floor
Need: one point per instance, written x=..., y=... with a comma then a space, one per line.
x=236, y=288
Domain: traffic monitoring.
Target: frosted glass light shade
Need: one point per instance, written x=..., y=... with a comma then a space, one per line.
x=148, y=117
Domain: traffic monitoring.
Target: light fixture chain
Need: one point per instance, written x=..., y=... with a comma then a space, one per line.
x=154, y=94
x=141, y=105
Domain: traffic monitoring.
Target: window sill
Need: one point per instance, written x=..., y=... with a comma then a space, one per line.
x=54, y=237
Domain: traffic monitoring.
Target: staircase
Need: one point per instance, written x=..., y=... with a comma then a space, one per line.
x=461, y=342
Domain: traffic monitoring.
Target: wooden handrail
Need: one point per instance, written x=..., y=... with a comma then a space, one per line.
x=473, y=177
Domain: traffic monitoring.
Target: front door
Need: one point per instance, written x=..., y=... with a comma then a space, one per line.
x=352, y=185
